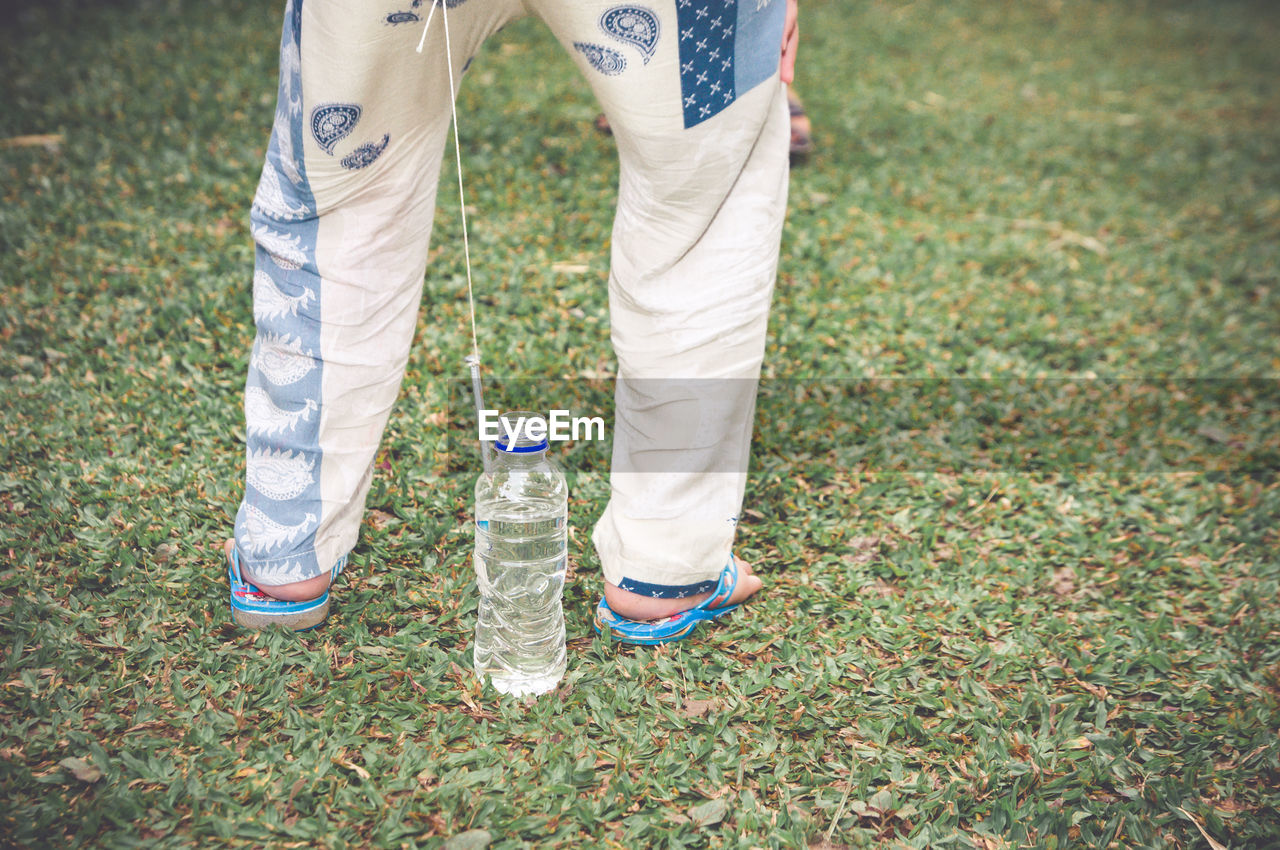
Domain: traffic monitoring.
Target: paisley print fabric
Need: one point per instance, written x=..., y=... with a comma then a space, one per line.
x=342, y=220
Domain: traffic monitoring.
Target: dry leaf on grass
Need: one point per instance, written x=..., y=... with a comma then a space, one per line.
x=1214, y=845
x=81, y=769
x=709, y=813
x=472, y=839
x=49, y=141
x=696, y=707
x=352, y=766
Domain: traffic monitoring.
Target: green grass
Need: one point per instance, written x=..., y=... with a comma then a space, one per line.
x=995, y=629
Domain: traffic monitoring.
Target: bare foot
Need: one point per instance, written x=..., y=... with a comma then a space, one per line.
x=296, y=591
x=635, y=606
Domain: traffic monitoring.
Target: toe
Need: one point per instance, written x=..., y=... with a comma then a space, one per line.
x=748, y=583
x=747, y=587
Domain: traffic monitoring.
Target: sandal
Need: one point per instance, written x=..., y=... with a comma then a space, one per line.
x=673, y=628
x=253, y=609
x=801, y=131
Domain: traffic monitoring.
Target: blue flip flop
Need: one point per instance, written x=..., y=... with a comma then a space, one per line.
x=673, y=628
x=253, y=609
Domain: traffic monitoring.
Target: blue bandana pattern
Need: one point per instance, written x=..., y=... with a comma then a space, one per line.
x=333, y=122
x=365, y=154
x=727, y=48
x=634, y=25
x=667, y=591
x=606, y=60
x=276, y=523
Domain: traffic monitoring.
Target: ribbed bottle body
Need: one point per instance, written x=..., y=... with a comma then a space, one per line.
x=520, y=558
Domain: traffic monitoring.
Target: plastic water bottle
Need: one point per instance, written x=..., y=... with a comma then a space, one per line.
x=521, y=551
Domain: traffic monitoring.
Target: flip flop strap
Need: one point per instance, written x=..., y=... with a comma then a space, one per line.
x=730, y=574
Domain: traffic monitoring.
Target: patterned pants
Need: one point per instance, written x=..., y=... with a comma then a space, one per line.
x=342, y=219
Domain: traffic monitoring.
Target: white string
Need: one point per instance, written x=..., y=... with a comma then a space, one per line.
x=457, y=155
x=473, y=362
x=430, y=15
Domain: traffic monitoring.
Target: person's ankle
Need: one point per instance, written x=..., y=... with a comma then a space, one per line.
x=635, y=606
x=296, y=591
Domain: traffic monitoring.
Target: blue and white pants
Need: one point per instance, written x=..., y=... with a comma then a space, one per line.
x=343, y=216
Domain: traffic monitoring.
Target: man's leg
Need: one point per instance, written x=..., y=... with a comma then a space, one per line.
x=342, y=220
x=700, y=117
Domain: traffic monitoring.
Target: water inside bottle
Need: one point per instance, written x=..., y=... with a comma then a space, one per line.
x=520, y=557
x=520, y=561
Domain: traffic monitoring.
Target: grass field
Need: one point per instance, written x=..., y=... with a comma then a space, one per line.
x=1026, y=596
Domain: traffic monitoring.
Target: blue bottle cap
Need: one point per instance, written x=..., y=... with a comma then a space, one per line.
x=519, y=422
